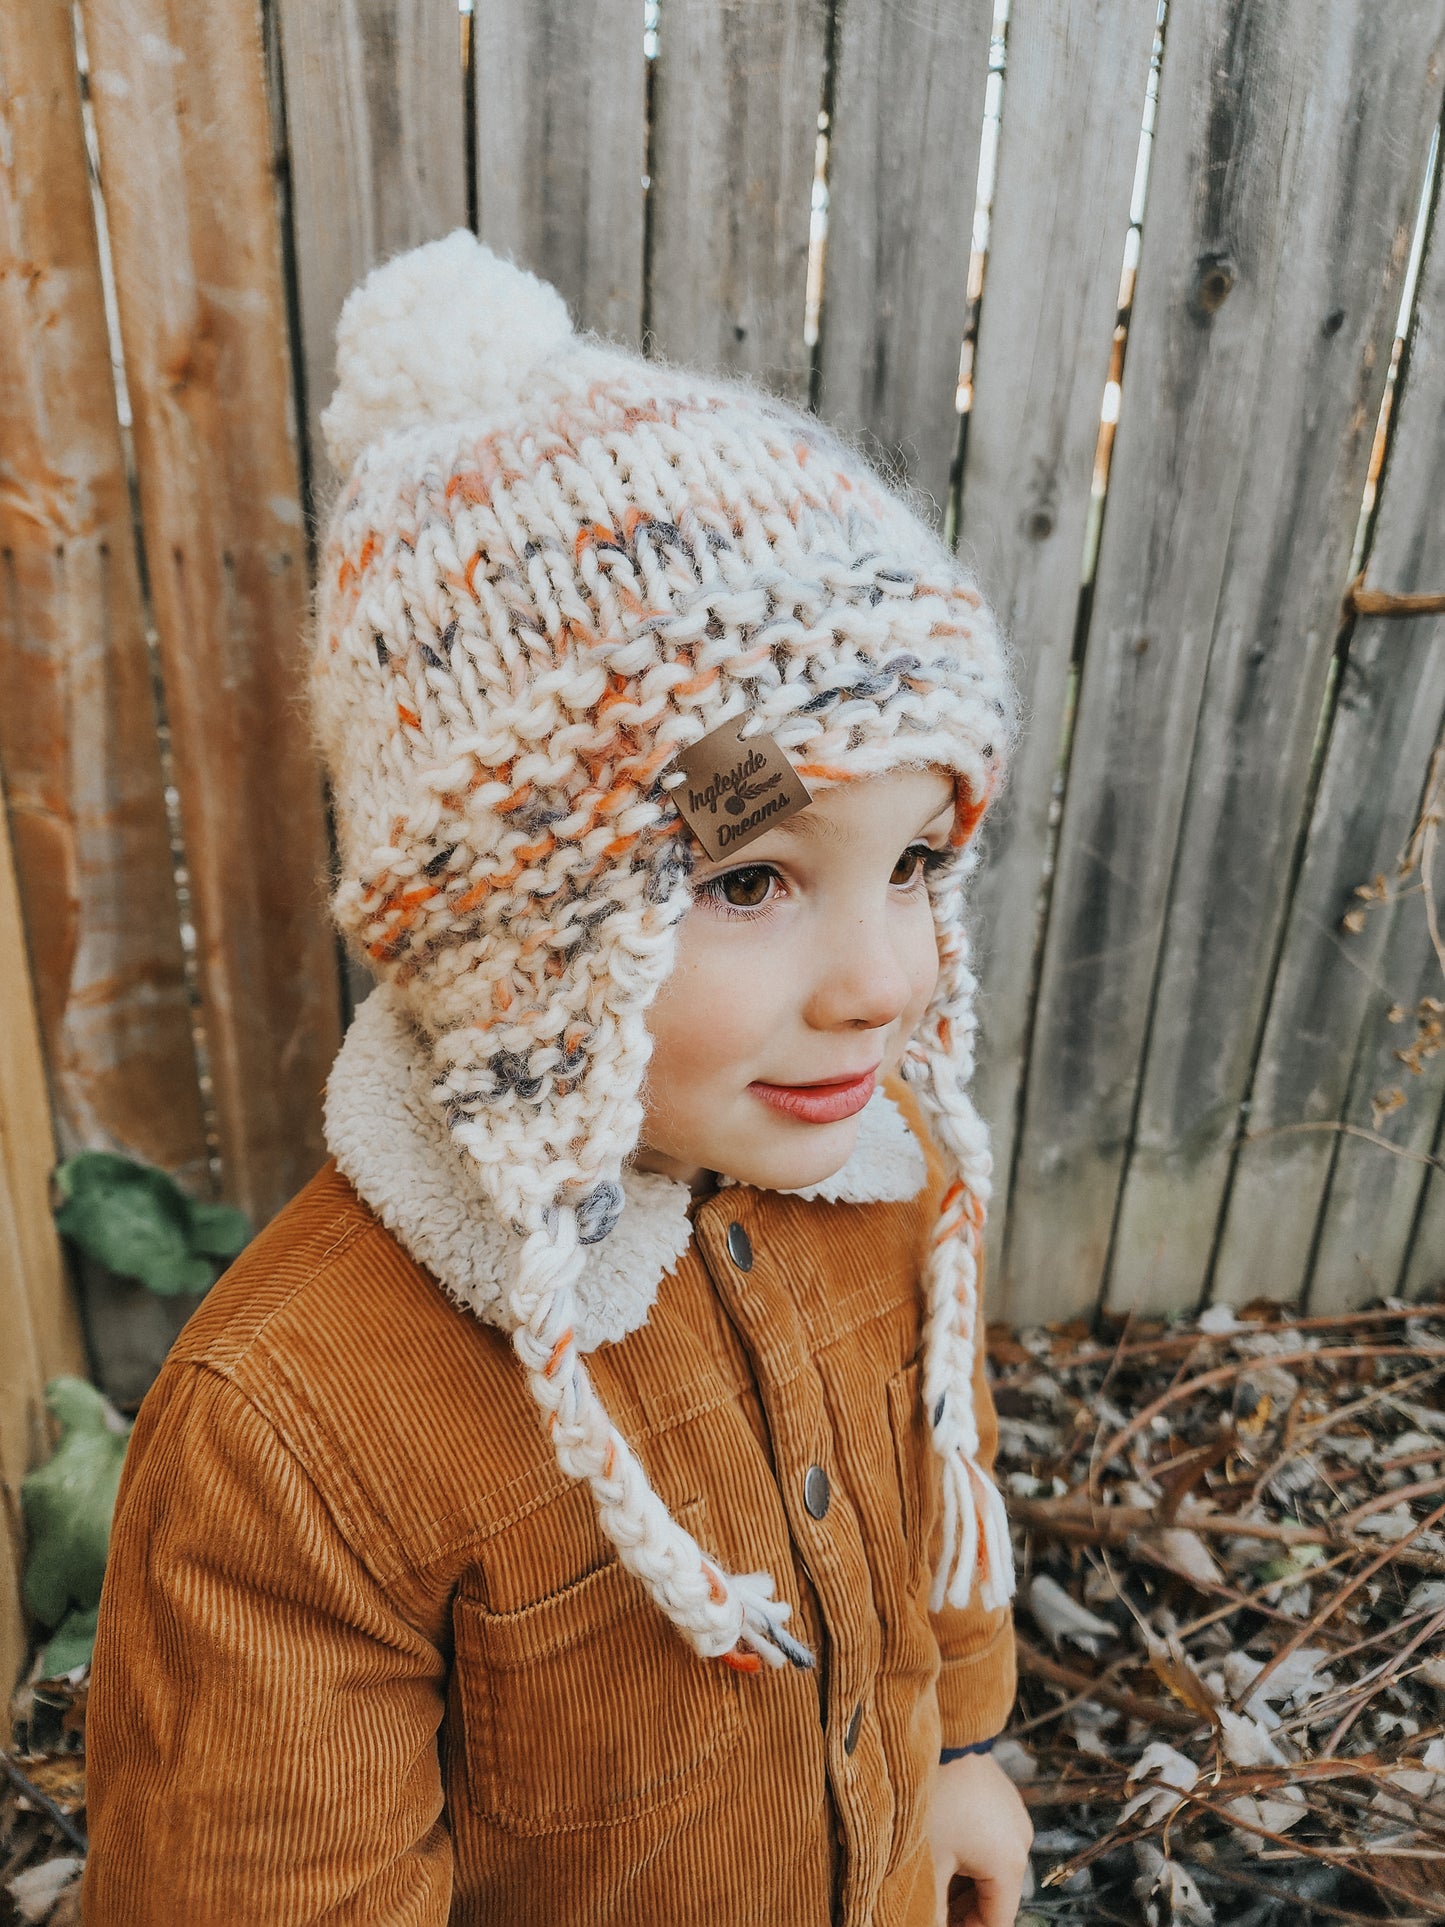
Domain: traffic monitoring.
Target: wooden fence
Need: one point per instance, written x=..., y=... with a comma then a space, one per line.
x=1167, y=246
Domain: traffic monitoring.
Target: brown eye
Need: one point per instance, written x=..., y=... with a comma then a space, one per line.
x=909, y=864
x=745, y=889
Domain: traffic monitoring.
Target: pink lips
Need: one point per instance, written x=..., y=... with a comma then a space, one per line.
x=819, y=1103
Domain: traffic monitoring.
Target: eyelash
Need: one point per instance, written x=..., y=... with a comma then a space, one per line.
x=929, y=861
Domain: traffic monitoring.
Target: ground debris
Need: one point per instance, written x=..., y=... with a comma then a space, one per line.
x=1232, y=1701
x=1231, y=1615
x=42, y=1803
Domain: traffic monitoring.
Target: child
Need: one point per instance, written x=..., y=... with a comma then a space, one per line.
x=574, y=1507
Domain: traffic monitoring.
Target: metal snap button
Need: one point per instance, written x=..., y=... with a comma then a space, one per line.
x=740, y=1247
x=853, y=1729
x=817, y=1493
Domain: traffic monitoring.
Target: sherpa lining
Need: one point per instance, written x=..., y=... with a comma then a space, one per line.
x=391, y=1140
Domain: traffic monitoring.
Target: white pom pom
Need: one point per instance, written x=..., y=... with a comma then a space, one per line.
x=444, y=330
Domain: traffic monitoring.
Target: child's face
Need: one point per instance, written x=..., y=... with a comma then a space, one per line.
x=804, y=965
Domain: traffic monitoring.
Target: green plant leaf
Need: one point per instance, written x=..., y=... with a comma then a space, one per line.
x=70, y=1645
x=68, y=1503
x=218, y=1230
x=136, y=1221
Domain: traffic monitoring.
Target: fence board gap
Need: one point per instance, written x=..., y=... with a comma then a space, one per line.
x=1128, y=275
x=469, y=106
x=650, y=16
x=816, y=280
x=1370, y=500
x=979, y=232
x=275, y=60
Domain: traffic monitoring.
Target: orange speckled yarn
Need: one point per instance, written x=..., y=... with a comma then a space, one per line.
x=552, y=566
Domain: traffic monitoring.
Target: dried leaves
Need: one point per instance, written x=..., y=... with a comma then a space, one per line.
x=1232, y=1540
x=42, y=1804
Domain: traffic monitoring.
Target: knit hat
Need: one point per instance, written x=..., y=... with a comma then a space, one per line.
x=553, y=568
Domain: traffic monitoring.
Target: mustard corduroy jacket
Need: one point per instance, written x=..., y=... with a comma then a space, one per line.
x=365, y=1654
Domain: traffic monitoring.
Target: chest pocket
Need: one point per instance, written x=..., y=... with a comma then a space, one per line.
x=587, y=1708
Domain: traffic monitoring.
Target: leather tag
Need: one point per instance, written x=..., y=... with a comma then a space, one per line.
x=736, y=788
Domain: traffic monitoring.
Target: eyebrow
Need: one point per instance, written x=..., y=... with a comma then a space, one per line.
x=811, y=828
x=822, y=828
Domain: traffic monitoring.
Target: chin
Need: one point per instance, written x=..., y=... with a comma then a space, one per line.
x=788, y=1157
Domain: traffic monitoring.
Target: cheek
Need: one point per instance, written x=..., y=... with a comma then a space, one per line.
x=924, y=968
x=711, y=1016
x=920, y=961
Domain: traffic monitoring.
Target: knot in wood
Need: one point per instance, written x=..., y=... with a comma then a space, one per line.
x=1214, y=276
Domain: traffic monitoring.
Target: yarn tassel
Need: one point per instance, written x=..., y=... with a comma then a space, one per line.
x=975, y=1539
x=762, y=1628
x=997, y=1579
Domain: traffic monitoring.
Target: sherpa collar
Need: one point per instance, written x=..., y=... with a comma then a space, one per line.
x=389, y=1138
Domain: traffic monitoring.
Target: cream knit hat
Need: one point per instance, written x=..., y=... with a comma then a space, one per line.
x=553, y=567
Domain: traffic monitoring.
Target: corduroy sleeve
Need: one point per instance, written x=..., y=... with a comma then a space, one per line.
x=262, y=1726
x=980, y=1667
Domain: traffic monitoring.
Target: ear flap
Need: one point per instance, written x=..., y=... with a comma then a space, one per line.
x=542, y=1089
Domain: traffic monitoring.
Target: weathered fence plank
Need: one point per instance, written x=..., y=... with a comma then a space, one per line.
x=376, y=127
x=1073, y=96
x=737, y=92
x=184, y=140
x=561, y=144
x=1318, y=1063
x=81, y=765
x=37, y=1314
x=1370, y=110
x=1424, y=1274
x=1240, y=174
x=908, y=98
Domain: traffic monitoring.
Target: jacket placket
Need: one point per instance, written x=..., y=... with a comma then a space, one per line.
x=733, y=1239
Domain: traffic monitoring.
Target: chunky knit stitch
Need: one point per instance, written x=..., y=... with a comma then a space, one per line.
x=552, y=567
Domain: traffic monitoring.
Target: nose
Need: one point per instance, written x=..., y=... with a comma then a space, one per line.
x=863, y=980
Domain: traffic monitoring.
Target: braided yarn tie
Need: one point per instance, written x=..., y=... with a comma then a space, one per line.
x=976, y=1540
